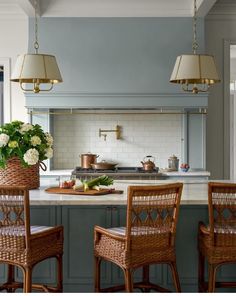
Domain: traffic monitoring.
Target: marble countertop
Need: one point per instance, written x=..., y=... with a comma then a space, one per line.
x=194, y=193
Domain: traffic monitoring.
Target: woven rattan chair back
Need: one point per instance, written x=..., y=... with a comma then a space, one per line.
x=152, y=210
x=14, y=217
x=148, y=238
x=19, y=247
x=222, y=213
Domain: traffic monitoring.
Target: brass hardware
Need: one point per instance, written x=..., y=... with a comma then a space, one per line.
x=36, y=87
x=104, y=136
x=117, y=131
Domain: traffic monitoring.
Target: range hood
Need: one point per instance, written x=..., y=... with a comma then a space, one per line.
x=115, y=100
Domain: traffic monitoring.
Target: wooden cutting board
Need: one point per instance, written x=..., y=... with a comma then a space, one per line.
x=58, y=190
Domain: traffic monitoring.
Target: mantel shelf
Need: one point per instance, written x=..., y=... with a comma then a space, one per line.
x=115, y=100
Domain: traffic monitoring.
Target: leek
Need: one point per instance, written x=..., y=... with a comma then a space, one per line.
x=95, y=183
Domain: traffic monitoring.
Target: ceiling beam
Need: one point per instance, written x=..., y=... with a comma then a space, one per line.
x=28, y=6
x=204, y=6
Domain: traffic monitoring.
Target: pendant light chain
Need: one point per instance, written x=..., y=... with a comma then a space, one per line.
x=195, y=44
x=36, y=44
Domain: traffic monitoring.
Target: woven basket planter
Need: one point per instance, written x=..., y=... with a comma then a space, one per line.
x=15, y=174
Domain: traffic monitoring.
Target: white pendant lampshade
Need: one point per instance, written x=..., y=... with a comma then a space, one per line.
x=195, y=69
x=36, y=69
x=195, y=72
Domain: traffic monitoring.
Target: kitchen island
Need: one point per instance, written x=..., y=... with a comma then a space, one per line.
x=79, y=214
x=194, y=193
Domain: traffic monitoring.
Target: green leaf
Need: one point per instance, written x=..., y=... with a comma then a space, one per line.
x=102, y=180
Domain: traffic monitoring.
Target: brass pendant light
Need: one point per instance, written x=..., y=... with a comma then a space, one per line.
x=196, y=72
x=36, y=68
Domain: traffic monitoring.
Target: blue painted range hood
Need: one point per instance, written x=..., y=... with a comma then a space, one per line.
x=115, y=100
x=116, y=63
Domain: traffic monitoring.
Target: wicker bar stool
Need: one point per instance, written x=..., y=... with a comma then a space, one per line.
x=23, y=245
x=148, y=238
x=217, y=242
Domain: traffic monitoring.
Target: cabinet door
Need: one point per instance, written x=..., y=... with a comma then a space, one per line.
x=79, y=222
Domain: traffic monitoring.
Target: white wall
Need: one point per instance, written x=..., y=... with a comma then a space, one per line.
x=158, y=135
x=14, y=41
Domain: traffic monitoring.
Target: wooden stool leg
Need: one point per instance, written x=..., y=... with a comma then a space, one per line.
x=59, y=273
x=97, y=274
x=146, y=273
x=128, y=280
x=146, y=277
x=10, y=277
x=27, y=280
x=201, y=269
x=10, y=273
x=211, y=277
x=175, y=276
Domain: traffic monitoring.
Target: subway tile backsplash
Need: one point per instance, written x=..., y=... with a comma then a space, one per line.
x=158, y=135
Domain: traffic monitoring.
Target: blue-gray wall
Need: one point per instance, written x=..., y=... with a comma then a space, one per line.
x=220, y=33
x=118, y=55
x=113, y=55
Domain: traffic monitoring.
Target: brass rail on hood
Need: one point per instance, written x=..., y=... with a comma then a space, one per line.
x=202, y=111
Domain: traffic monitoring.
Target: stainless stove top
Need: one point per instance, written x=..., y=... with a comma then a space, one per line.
x=116, y=170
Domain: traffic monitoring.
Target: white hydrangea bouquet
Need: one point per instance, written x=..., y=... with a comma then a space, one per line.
x=26, y=141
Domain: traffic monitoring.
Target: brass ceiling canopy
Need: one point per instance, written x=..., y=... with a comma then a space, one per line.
x=36, y=68
x=196, y=72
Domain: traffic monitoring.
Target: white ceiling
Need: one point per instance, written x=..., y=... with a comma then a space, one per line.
x=106, y=8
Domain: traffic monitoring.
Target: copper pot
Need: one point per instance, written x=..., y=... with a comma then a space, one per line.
x=87, y=159
x=148, y=163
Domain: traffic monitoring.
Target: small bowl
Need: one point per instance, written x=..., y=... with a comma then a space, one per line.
x=184, y=169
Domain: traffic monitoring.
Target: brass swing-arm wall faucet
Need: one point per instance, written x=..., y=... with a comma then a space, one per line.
x=117, y=131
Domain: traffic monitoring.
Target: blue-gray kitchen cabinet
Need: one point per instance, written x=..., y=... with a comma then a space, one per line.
x=79, y=222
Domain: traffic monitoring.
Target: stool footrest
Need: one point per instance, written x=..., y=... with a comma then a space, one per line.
x=139, y=285
x=11, y=285
x=225, y=284
x=45, y=288
x=17, y=285
x=203, y=287
x=148, y=285
x=113, y=289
